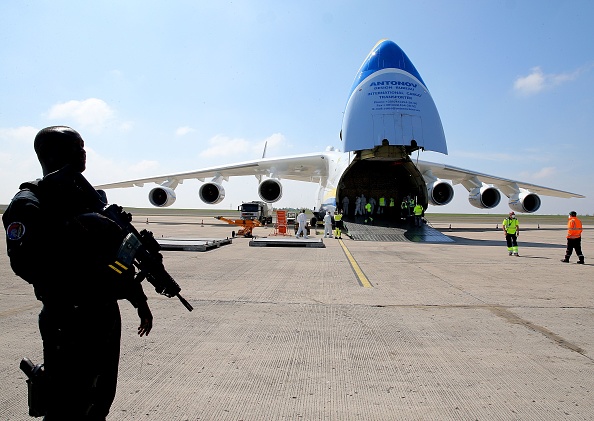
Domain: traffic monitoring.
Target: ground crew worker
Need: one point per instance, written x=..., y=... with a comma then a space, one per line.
x=418, y=210
x=404, y=208
x=368, y=217
x=511, y=228
x=382, y=205
x=574, y=238
x=372, y=202
x=391, y=206
x=338, y=225
x=327, y=225
x=345, y=205
x=358, y=206
x=302, y=221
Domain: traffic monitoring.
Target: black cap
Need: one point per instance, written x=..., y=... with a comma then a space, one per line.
x=573, y=213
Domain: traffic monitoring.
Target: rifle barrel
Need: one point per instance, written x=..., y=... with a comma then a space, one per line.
x=184, y=302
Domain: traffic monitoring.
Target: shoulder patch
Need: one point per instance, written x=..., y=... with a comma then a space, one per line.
x=15, y=231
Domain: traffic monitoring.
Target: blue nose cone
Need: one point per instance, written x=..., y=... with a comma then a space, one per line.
x=389, y=102
x=385, y=55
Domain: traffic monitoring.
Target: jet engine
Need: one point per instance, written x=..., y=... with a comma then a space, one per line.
x=162, y=196
x=270, y=190
x=484, y=197
x=524, y=202
x=212, y=193
x=440, y=193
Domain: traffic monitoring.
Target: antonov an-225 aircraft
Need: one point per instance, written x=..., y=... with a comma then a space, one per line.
x=389, y=115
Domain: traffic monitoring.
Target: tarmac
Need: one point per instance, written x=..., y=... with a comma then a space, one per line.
x=438, y=331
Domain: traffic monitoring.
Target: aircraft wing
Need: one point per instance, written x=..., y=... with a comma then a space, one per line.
x=307, y=167
x=467, y=177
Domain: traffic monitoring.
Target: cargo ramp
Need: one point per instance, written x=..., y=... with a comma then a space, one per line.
x=405, y=232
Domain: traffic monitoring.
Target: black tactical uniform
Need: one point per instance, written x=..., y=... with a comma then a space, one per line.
x=57, y=243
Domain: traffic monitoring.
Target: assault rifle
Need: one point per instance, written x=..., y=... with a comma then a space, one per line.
x=142, y=249
x=138, y=248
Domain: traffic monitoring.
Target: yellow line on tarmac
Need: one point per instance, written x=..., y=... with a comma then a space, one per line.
x=363, y=281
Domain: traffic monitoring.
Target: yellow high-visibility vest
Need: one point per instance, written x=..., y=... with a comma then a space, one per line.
x=511, y=225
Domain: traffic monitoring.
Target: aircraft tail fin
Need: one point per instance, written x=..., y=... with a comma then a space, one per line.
x=264, y=152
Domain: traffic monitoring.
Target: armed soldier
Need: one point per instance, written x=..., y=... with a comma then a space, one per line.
x=61, y=245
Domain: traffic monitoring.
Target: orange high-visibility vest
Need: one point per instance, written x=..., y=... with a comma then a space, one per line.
x=574, y=228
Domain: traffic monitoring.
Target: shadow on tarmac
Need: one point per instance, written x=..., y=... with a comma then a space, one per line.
x=471, y=242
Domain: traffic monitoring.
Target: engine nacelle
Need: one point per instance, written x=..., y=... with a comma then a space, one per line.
x=485, y=197
x=440, y=193
x=162, y=196
x=270, y=190
x=212, y=193
x=524, y=202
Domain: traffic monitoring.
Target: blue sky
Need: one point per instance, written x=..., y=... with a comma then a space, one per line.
x=164, y=87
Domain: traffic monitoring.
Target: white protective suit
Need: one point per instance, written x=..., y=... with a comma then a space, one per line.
x=328, y=225
x=358, y=206
x=345, y=205
x=302, y=221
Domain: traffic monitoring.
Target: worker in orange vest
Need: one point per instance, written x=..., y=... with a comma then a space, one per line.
x=574, y=238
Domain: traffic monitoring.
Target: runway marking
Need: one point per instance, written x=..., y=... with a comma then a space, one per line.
x=363, y=281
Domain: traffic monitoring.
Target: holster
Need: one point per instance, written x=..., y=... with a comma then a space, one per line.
x=36, y=387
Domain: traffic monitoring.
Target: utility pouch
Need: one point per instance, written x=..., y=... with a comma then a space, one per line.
x=125, y=258
x=128, y=249
x=36, y=387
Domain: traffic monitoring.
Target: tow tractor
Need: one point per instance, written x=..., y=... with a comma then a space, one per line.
x=253, y=214
x=247, y=225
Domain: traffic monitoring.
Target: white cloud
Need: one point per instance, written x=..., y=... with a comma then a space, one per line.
x=543, y=173
x=91, y=113
x=273, y=142
x=532, y=83
x=223, y=146
x=144, y=167
x=538, y=81
x=24, y=134
x=18, y=161
x=102, y=169
x=181, y=131
x=17, y=152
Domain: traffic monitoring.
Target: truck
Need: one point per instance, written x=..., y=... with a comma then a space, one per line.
x=260, y=211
